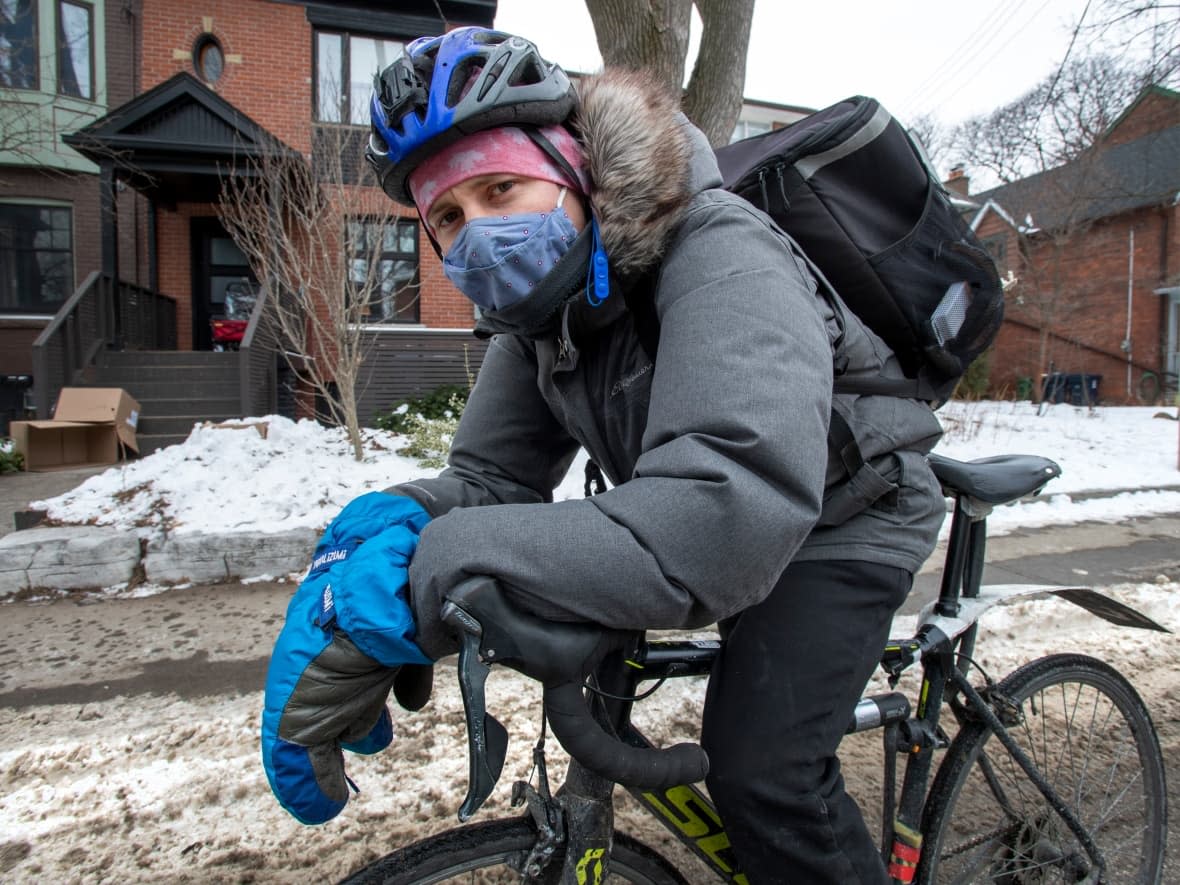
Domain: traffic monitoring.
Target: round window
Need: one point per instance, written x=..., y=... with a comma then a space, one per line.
x=208, y=58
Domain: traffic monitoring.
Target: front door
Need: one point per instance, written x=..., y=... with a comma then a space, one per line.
x=218, y=265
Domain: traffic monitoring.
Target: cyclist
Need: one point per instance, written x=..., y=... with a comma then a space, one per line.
x=552, y=208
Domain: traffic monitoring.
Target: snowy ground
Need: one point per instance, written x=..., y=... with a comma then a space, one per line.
x=154, y=788
x=301, y=474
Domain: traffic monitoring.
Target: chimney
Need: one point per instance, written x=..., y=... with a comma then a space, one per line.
x=958, y=182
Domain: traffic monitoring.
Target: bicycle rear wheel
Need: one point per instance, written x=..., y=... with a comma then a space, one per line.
x=493, y=852
x=1088, y=733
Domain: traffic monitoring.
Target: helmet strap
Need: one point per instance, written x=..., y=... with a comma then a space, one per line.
x=553, y=154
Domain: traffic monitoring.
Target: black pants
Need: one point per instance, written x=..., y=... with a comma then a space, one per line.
x=779, y=699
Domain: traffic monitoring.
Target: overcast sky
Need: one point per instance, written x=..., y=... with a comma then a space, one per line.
x=951, y=59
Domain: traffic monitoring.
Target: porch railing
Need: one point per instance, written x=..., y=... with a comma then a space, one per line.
x=100, y=314
x=256, y=361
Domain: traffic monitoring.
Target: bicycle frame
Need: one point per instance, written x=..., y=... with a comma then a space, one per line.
x=943, y=644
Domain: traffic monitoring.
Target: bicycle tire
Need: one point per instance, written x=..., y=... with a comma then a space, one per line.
x=1088, y=732
x=486, y=852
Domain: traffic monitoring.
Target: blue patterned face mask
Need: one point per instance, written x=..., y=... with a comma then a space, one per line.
x=497, y=261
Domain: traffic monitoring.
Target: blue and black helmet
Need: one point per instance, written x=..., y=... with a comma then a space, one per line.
x=442, y=88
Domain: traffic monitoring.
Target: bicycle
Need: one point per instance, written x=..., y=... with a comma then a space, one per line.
x=1053, y=773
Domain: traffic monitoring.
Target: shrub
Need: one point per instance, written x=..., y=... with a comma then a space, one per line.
x=974, y=383
x=10, y=459
x=440, y=404
x=429, y=439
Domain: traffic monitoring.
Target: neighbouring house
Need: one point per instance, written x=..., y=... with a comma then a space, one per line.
x=1095, y=248
x=115, y=258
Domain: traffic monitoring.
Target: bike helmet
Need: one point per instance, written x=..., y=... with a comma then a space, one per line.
x=442, y=88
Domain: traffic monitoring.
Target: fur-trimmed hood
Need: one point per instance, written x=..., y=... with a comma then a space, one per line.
x=646, y=162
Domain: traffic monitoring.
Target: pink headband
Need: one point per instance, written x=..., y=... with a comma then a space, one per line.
x=503, y=149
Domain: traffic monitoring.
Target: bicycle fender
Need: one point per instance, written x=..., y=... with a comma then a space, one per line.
x=1098, y=604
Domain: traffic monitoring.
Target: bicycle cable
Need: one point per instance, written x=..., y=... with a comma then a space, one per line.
x=594, y=689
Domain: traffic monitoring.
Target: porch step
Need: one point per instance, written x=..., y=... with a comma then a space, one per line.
x=153, y=442
x=184, y=388
x=175, y=390
x=189, y=405
x=213, y=377
x=172, y=425
x=173, y=358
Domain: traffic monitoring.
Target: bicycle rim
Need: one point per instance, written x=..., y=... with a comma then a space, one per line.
x=493, y=853
x=1088, y=733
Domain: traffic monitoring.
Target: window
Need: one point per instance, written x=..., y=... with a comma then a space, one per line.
x=18, y=44
x=75, y=71
x=208, y=59
x=36, y=257
x=384, y=267
x=997, y=248
x=748, y=129
x=345, y=65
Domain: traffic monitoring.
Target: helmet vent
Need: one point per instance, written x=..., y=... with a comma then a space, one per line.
x=493, y=75
x=527, y=73
x=462, y=79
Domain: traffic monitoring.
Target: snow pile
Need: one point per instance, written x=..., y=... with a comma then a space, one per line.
x=301, y=474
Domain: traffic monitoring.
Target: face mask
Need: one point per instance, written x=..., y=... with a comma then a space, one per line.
x=497, y=261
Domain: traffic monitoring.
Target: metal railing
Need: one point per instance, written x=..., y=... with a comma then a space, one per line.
x=100, y=314
x=256, y=360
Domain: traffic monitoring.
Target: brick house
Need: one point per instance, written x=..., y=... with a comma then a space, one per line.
x=1095, y=246
x=110, y=244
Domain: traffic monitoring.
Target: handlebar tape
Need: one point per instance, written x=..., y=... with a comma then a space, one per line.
x=610, y=758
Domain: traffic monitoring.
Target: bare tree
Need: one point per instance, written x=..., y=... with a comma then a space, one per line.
x=1052, y=124
x=655, y=35
x=934, y=138
x=314, y=233
x=1148, y=29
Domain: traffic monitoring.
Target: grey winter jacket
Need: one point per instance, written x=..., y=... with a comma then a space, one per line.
x=717, y=451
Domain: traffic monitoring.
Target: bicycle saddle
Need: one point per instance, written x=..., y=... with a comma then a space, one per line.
x=995, y=480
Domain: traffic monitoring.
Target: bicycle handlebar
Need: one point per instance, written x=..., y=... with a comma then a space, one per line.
x=560, y=656
x=611, y=758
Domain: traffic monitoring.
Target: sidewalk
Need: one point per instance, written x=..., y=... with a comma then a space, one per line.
x=18, y=490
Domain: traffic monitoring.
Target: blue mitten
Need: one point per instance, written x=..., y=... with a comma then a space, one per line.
x=348, y=629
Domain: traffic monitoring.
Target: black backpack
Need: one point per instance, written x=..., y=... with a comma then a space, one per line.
x=857, y=194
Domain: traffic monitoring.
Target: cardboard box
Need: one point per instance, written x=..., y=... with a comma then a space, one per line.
x=90, y=426
x=100, y=405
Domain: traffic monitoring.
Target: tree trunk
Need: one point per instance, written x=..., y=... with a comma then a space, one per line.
x=652, y=34
x=713, y=100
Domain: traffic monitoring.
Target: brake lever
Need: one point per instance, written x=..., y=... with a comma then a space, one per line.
x=487, y=739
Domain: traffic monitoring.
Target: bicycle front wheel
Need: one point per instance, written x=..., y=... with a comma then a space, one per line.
x=494, y=852
x=1090, y=736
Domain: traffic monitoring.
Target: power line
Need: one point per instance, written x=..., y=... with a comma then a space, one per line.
x=955, y=56
x=945, y=98
x=971, y=62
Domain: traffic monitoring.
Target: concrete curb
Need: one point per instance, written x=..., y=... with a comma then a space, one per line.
x=90, y=557
x=67, y=558
x=213, y=558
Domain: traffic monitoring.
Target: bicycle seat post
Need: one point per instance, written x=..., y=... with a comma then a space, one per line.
x=956, y=559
